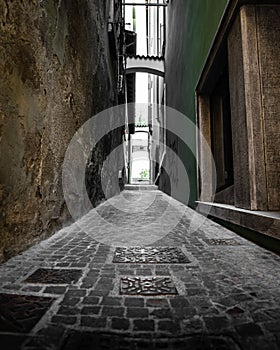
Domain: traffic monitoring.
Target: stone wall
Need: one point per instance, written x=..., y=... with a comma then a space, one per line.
x=55, y=73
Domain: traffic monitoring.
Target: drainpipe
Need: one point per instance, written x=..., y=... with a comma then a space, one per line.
x=133, y=19
x=147, y=26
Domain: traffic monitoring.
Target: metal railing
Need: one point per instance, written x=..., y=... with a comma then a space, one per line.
x=142, y=4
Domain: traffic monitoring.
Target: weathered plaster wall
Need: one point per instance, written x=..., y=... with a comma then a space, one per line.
x=191, y=29
x=55, y=73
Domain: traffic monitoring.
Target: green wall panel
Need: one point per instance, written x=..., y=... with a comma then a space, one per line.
x=203, y=18
x=192, y=25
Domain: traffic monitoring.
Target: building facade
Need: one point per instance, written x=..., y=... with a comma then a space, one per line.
x=223, y=74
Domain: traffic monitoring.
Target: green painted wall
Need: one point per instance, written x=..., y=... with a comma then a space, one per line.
x=203, y=18
x=192, y=25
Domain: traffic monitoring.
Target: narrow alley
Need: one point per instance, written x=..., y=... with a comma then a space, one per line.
x=207, y=290
x=139, y=175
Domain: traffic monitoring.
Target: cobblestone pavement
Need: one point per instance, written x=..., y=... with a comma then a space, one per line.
x=211, y=290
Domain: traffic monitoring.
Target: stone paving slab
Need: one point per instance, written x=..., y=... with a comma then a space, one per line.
x=228, y=295
x=20, y=313
x=54, y=276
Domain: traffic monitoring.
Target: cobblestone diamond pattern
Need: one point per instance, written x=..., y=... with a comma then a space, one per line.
x=54, y=276
x=164, y=255
x=147, y=286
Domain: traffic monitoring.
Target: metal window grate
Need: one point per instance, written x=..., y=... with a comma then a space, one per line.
x=150, y=255
x=147, y=286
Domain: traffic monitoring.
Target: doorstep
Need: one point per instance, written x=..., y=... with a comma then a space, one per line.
x=265, y=222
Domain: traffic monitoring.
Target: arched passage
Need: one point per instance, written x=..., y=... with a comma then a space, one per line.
x=146, y=64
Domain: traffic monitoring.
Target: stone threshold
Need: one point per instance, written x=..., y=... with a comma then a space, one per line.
x=265, y=222
x=140, y=187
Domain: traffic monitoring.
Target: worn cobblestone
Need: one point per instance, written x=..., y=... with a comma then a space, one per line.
x=143, y=325
x=112, y=311
x=228, y=295
x=91, y=300
x=93, y=322
x=157, y=302
x=90, y=310
x=136, y=302
x=161, y=313
x=64, y=319
x=120, y=323
x=137, y=312
x=170, y=326
x=55, y=290
x=113, y=301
